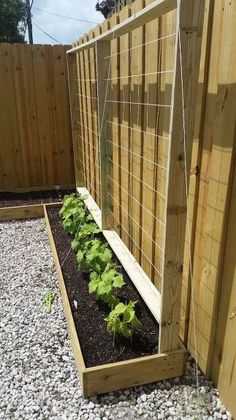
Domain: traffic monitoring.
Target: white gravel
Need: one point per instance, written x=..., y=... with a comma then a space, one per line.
x=38, y=379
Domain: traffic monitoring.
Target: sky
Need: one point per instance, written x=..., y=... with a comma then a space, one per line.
x=65, y=31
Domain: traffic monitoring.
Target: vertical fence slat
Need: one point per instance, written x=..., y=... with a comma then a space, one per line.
x=76, y=129
x=137, y=66
x=10, y=151
x=34, y=124
x=103, y=72
x=189, y=20
x=124, y=115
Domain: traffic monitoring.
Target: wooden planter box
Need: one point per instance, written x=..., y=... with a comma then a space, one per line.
x=112, y=376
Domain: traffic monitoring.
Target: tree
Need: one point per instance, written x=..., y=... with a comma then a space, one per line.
x=13, y=15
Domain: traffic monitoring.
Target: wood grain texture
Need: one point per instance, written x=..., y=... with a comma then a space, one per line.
x=224, y=353
x=103, y=73
x=152, y=11
x=189, y=20
x=35, y=130
x=210, y=174
x=216, y=171
x=133, y=372
x=76, y=129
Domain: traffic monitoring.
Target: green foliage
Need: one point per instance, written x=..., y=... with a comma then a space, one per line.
x=122, y=319
x=98, y=256
x=12, y=17
x=71, y=202
x=48, y=300
x=105, y=284
x=84, y=234
x=73, y=213
x=93, y=254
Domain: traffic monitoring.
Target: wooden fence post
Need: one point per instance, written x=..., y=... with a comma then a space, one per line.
x=76, y=129
x=189, y=25
x=103, y=73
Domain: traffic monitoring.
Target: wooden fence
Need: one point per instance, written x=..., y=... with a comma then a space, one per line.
x=35, y=130
x=127, y=119
x=208, y=287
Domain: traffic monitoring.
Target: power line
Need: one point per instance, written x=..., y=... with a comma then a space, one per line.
x=65, y=17
x=44, y=32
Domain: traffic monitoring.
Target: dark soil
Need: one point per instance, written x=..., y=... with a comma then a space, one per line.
x=96, y=343
x=11, y=199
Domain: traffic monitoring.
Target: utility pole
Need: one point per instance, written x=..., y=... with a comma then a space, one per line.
x=29, y=22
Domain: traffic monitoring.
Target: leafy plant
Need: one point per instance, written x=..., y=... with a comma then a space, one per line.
x=48, y=300
x=73, y=213
x=84, y=234
x=93, y=254
x=105, y=284
x=98, y=257
x=122, y=320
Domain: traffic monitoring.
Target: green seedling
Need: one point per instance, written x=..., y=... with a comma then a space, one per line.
x=48, y=300
x=122, y=320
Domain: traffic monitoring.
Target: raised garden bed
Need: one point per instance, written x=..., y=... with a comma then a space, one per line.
x=101, y=367
x=112, y=372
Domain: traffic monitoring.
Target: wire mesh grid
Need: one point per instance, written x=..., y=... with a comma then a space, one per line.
x=87, y=120
x=139, y=86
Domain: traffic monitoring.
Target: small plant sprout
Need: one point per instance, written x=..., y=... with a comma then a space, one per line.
x=122, y=320
x=48, y=300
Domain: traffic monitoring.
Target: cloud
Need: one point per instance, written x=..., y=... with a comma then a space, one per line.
x=65, y=31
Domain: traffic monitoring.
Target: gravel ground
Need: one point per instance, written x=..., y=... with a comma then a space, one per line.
x=38, y=379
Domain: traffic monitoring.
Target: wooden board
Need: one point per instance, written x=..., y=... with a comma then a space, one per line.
x=133, y=372
x=41, y=188
x=216, y=160
x=189, y=15
x=21, y=212
x=150, y=12
x=36, y=145
x=224, y=352
x=103, y=73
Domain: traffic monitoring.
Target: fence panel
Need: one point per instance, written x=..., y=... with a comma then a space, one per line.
x=35, y=128
x=143, y=68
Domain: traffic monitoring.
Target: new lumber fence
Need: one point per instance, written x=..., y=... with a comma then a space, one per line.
x=126, y=88
x=35, y=130
x=136, y=158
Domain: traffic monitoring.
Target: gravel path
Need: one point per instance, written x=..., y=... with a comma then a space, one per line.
x=38, y=379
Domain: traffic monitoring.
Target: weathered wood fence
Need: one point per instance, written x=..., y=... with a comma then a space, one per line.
x=35, y=128
x=140, y=73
